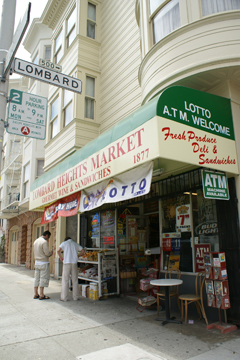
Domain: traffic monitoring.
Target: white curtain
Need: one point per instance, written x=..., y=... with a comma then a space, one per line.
x=40, y=165
x=215, y=6
x=89, y=108
x=166, y=20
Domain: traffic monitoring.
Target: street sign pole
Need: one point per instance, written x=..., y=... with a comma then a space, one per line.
x=6, y=35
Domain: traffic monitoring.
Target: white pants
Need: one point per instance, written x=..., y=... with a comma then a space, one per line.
x=69, y=269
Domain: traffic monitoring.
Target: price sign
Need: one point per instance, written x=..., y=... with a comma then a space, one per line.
x=27, y=114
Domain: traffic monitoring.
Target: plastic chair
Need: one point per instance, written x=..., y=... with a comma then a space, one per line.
x=197, y=298
x=173, y=291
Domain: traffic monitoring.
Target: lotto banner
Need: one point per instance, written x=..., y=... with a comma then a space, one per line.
x=67, y=206
x=131, y=184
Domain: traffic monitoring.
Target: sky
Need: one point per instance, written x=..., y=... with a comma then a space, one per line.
x=36, y=12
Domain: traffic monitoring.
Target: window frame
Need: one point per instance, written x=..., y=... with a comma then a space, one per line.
x=54, y=118
x=26, y=182
x=37, y=176
x=155, y=13
x=45, y=49
x=72, y=29
x=58, y=51
x=92, y=21
x=89, y=97
x=65, y=106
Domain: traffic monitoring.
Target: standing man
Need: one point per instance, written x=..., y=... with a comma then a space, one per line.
x=42, y=271
x=70, y=260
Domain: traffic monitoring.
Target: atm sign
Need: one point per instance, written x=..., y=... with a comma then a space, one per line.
x=215, y=185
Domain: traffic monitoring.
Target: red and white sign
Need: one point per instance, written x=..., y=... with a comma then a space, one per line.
x=200, y=251
x=183, y=218
x=67, y=206
x=25, y=130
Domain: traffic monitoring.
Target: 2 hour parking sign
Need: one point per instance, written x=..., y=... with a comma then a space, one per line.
x=27, y=114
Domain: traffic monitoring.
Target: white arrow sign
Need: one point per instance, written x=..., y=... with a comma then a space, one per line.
x=37, y=72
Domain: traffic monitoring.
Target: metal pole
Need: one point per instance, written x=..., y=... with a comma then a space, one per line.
x=6, y=36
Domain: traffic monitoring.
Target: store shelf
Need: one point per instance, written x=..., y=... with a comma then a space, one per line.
x=88, y=279
x=110, y=252
x=88, y=262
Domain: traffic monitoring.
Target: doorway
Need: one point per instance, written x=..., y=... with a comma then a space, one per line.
x=13, y=242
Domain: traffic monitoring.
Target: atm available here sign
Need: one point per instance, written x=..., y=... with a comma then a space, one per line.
x=215, y=185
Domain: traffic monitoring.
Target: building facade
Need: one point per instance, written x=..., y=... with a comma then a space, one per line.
x=161, y=84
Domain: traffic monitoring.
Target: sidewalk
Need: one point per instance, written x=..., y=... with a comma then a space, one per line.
x=111, y=329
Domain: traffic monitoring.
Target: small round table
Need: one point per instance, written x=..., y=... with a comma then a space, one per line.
x=167, y=283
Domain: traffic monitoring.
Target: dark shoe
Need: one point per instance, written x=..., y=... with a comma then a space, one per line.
x=36, y=296
x=44, y=297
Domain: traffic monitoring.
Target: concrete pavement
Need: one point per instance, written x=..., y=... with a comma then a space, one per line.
x=103, y=330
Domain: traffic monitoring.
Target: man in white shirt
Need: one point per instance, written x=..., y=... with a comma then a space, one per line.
x=70, y=260
x=42, y=271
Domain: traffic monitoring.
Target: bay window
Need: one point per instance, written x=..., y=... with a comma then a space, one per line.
x=71, y=28
x=58, y=49
x=90, y=97
x=91, y=21
x=54, y=118
x=214, y=6
x=165, y=18
x=67, y=107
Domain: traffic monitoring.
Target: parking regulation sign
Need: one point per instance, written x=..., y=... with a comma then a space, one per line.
x=27, y=114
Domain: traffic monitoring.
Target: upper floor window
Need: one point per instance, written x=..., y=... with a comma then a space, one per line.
x=58, y=49
x=215, y=6
x=47, y=54
x=91, y=21
x=54, y=118
x=26, y=180
x=40, y=165
x=71, y=28
x=90, y=97
x=165, y=18
x=67, y=107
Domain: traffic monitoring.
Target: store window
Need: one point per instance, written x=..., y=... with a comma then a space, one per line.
x=58, y=49
x=67, y=107
x=91, y=21
x=177, y=233
x=101, y=229
x=214, y=6
x=47, y=54
x=205, y=221
x=26, y=175
x=90, y=97
x=71, y=28
x=40, y=170
x=54, y=118
x=165, y=18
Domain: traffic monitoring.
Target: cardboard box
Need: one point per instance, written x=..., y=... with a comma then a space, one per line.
x=93, y=286
x=84, y=290
x=104, y=294
x=93, y=295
